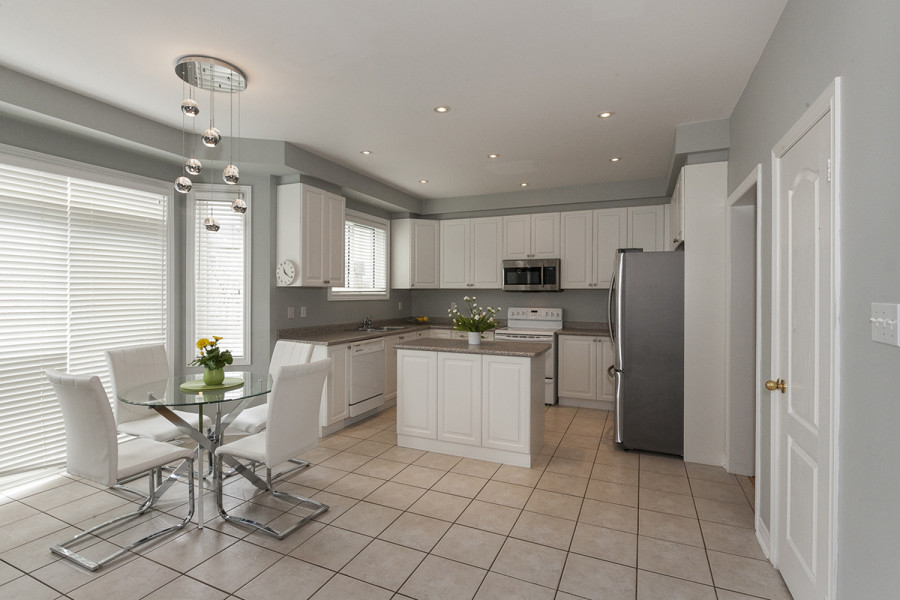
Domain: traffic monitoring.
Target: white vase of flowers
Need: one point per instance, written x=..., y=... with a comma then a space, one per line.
x=478, y=320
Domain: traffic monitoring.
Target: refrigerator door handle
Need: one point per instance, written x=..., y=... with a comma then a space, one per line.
x=609, y=306
x=619, y=428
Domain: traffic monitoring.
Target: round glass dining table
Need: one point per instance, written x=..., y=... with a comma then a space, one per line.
x=238, y=390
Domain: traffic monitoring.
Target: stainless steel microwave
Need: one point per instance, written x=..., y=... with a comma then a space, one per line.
x=532, y=275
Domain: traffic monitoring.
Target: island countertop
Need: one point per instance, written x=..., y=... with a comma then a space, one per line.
x=520, y=349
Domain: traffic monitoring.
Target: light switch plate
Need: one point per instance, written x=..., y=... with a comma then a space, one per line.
x=884, y=322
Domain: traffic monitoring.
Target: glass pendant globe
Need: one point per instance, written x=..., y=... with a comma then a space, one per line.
x=183, y=185
x=231, y=174
x=190, y=107
x=211, y=224
x=239, y=205
x=193, y=166
x=211, y=137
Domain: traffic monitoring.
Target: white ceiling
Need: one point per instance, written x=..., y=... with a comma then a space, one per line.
x=524, y=78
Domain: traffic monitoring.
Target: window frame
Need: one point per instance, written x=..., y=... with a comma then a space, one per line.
x=227, y=193
x=367, y=220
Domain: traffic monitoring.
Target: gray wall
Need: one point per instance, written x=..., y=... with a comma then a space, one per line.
x=578, y=305
x=816, y=40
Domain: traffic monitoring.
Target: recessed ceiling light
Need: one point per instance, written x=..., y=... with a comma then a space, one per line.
x=366, y=152
x=615, y=159
x=423, y=181
x=524, y=184
x=493, y=156
x=605, y=114
x=441, y=109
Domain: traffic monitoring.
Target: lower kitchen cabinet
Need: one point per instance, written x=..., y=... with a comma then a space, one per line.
x=335, y=405
x=583, y=378
x=390, y=362
x=459, y=398
x=417, y=394
x=488, y=407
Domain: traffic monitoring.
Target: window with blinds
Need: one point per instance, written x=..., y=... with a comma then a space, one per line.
x=366, y=249
x=82, y=270
x=218, y=271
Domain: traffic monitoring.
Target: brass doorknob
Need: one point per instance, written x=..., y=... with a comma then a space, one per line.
x=778, y=384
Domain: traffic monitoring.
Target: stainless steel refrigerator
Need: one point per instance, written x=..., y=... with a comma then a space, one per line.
x=646, y=319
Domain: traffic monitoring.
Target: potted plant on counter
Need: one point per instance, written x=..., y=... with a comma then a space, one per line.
x=213, y=360
x=477, y=321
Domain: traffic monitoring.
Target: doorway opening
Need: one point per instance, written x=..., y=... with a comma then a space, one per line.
x=743, y=322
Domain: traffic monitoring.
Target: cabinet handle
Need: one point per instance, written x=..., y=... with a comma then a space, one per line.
x=674, y=240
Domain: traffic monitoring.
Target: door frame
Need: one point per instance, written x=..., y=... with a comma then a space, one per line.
x=828, y=103
x=735, y=200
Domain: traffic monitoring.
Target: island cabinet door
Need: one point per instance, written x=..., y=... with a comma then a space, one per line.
x=506, y=402
x=417, y=393
x=459, y=398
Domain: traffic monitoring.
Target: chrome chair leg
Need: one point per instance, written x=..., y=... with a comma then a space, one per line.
x=317, y=507
x=187, y=465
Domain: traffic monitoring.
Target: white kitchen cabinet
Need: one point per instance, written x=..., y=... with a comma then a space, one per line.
x=417, y=394
x=647, y=228
x=676, y=214
x=459, y=398
x=390, y=363
x=590, y=239
x=508, y=422
x=464, y=335
x=583, y=378
x=470, y=253
x=415, y=254
x=444, y=334
x=310, y=234
x=335, y=397
x=531, y=236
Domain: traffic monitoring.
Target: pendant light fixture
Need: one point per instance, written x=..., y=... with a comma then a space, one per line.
x=215, y=76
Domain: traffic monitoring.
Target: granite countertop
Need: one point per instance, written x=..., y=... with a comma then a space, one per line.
x=330, y=337
x=519, y=349
x=587, y=329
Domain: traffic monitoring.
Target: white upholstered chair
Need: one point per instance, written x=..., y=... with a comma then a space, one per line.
x=293, y=428
x=133, y=366
x=92, y=452
x=253, y=420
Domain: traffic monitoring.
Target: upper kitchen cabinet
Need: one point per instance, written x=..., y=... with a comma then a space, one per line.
x=676, y=214
x=309, y=237
x=531, y=236
x=470, y=253
x=589, y=242
x=415, y=254
x=647, y=228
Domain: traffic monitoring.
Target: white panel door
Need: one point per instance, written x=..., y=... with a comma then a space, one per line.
x=577, y=367
x=486, y=254
x=459, y=398
x=336, y=393
x=417, y=393
x=455, y=253
x=505, y=410
x=606, y=385
x=647, y=228
x=577, y=258
x=804, y=326
x=334, y=256
x=610, y=234
x=426, y=271
x=545, y=235
x=517, y=237
x=312, y=220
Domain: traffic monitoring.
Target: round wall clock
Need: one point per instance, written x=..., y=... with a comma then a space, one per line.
x=285, y=272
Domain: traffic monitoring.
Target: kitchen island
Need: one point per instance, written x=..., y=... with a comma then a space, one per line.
x=481, y=401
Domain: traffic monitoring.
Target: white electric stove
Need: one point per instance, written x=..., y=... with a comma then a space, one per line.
x=535, y=325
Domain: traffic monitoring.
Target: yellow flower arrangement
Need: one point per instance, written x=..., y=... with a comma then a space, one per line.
x=211, y=356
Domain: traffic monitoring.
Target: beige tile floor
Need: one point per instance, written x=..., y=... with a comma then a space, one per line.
x=588, y=521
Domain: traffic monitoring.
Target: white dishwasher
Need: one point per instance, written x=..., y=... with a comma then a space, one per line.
x=366, y=376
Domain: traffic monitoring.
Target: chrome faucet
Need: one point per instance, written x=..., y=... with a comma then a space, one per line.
x=367, y=322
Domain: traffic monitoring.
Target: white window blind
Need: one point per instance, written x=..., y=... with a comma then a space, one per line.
x=219, y=272
x=82, y=269
x=366, y=248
